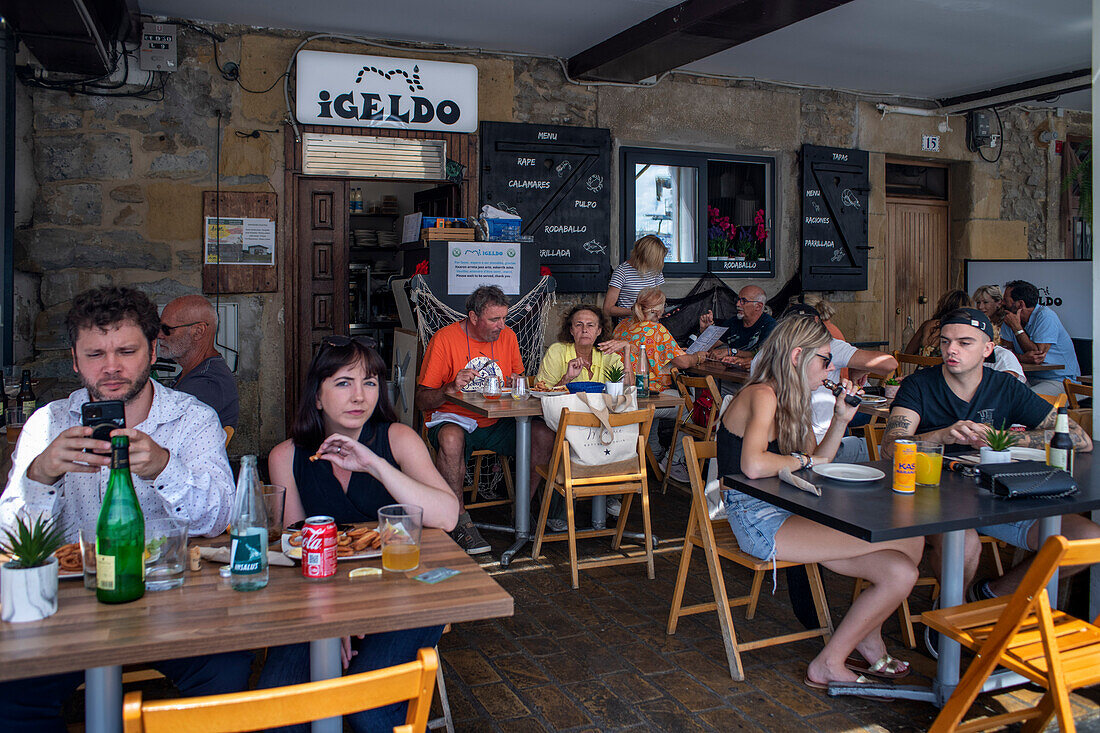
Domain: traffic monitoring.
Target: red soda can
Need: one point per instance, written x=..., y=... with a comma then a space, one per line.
x=319, y=548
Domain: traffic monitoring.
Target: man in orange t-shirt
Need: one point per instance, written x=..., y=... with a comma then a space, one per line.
x=461, y=357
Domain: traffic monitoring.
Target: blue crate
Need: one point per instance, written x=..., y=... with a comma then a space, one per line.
x=502, y=230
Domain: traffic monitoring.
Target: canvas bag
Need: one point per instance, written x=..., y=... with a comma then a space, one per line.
x=600, y=446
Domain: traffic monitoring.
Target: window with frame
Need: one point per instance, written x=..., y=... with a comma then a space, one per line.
x=713, y=211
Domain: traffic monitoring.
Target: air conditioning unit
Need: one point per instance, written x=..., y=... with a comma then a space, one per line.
x=71, y=36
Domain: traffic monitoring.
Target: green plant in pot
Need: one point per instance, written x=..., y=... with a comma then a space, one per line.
x=613, y=379
x=890, y=387
x=998, y=445
x=28, y=581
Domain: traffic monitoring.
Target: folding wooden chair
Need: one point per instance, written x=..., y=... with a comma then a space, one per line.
x=1024, y=634
x=717, y=540
x=914, y=361
x=684, y=423
x=1075, y=392
x=625, y=478
x=478, y=456
x=260, y=709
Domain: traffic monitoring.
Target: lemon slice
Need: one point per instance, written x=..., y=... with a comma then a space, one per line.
x=365, y=572
x=294, y=553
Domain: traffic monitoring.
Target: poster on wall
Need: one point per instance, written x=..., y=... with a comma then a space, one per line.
x=348, y=89
x=239, y=241
x=473, y=264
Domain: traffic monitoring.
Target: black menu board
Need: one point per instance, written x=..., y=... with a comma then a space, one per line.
x=559, y=180
x=835, y=194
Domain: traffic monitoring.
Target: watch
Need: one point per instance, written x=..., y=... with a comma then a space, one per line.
x=1019, y=331
x=733, y=351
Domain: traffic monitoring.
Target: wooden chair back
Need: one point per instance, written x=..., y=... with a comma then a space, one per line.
x=1075, y=392
x=872, y=433
x=562, y=466
x=228, y=434
x=293, y=704
x=1024, y=634
x=684, y=423
x=1055, y=400
x=914, y=361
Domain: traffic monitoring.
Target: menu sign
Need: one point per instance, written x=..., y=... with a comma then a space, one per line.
x=835, y=193
x=558, y=179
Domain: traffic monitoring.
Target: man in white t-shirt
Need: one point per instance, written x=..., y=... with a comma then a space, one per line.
x=1004, y=360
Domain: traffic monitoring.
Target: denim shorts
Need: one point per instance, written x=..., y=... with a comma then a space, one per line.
x=1014, y=533
x=754, y=523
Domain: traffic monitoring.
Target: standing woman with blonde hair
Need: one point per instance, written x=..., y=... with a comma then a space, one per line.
x=767, y=428
x=643, y=270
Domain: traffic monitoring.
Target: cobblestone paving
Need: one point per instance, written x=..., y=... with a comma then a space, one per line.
x=598, y=658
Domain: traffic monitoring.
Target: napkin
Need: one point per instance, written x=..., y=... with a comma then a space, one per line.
x=798, y=483
x=221, y=554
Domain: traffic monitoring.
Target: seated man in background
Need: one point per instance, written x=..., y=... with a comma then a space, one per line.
x=954, y=404
x=1038, y=336
x=188, y=326
x=460, y=358
x=178, y=462
x=746, y=330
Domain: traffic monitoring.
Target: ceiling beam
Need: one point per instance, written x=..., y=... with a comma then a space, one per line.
x=688, y=32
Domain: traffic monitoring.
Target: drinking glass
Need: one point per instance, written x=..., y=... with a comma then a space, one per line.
x=1047, y=435
x=274, y=501
x=165, y=553
x=519, y=387
x=87, y=555
x=399, y=526
x=15, y=419
x=929, y=463
x=492, y=388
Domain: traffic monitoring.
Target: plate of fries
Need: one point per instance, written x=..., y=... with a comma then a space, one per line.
x=357, y=542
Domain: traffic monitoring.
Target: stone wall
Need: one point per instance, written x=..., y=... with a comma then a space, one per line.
x=110, y=189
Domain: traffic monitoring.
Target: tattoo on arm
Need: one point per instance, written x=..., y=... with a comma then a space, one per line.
x=897, y=426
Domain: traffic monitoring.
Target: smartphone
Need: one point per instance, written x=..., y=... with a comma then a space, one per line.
x=103, y=417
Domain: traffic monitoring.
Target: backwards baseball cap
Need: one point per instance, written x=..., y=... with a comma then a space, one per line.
x=970, y=317
x=800, y=309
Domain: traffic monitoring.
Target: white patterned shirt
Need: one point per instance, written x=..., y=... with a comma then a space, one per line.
x=195, y=486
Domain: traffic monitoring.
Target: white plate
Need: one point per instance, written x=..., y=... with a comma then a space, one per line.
x=541, y=393
x=1028, y=454
x=848, y=472
x=871, y=399
x=295, y=552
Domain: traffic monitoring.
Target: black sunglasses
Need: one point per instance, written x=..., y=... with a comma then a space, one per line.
x=167, y=330
x=828, y=358
x=340, y=341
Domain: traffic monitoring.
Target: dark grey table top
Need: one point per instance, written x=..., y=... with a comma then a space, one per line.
x=872, y=511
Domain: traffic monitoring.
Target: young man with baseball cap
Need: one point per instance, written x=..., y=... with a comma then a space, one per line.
x=954, y=404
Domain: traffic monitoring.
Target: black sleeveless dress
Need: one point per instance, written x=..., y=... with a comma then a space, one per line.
x=321, y=493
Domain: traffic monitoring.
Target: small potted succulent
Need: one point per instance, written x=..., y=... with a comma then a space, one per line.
x=614, y=379
x=998, y=445
x=28, y=581
x=890, y=387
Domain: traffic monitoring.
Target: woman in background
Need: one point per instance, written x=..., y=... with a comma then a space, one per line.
x=926, y=341
x=987, y=299
x=574, y=356
x=643, y=270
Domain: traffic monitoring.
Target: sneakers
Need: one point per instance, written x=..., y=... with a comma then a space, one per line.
x=556, y=525
x=614, y=505
x=979, y=591
x=469, y=539
x=679, y=472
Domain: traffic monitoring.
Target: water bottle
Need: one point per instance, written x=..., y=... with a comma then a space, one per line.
x=641, y=372
x=248, y=531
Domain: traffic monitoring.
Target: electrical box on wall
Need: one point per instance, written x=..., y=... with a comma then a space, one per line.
x=158, y=47
x=978, y=130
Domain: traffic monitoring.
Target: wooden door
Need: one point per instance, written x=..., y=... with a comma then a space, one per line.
x=320, y=272
x=916, y=263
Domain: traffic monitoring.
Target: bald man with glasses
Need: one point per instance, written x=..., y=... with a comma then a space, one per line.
x=745, y=331
x=188, y=326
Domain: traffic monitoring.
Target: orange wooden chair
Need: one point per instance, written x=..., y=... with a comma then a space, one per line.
x=914, y=361
x=684, y=424
x=260, y=709
x=1024, y=634
x=716, y=539
x=1075, y=392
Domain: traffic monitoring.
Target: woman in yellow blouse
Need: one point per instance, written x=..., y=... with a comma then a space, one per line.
x=574, y=357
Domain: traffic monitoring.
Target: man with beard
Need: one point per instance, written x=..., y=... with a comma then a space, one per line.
x=745, y=331
x=188, y=326
x=178, y=462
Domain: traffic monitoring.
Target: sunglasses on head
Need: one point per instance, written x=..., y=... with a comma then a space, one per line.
x=167, y=330
x=340, y=341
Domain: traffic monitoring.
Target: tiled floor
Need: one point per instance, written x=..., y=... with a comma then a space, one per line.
x=598, y=658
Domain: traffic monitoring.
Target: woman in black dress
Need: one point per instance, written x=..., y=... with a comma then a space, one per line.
x=367, y=460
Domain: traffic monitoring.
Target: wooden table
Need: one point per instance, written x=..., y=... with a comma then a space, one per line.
x=720, y=371
x=873, y=512
x=206, y=616
x=1041, y=367
x=522, y=411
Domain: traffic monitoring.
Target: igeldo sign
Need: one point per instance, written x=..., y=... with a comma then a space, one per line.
x=379, y=91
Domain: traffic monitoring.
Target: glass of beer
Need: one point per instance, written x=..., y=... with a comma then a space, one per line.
x=492, y=388
x=399, y=526
x=929, y=463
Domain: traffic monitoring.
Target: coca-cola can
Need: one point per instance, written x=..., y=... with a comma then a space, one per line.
x=319, y=548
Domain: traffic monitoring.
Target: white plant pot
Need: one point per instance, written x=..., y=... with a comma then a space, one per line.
x=614, y=388
x=28, y=594
x=988, y=455
x=891, y=390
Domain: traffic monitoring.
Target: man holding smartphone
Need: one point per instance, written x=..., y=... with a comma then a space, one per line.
x=177, y=458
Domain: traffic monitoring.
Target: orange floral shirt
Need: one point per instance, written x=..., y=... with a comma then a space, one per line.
x=660, y=349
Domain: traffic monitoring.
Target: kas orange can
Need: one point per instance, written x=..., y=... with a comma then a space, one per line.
x=905, y=466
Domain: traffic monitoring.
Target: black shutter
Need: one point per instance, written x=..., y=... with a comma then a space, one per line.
x=835, y=196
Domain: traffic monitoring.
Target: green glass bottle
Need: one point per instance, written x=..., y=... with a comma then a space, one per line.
x=120, y=533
